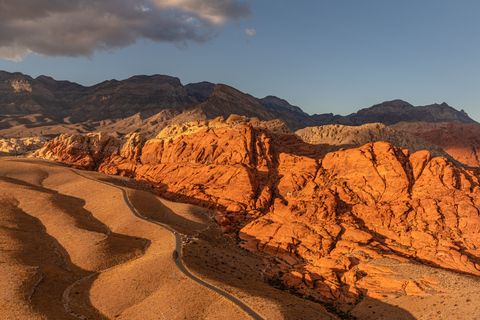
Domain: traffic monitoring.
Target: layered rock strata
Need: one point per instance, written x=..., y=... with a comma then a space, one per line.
x=320, y=219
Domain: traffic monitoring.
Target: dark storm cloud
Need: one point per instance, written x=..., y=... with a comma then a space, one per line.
x=79, y=28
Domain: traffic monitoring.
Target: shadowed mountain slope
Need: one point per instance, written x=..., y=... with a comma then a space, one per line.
x=460, y=140
x=391, y=112
x=73, y=103
x=39, y=105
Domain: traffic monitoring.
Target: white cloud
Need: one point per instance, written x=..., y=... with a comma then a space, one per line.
x=251, y=32
x=81, y=27
x=14, y=53
x=214, y=11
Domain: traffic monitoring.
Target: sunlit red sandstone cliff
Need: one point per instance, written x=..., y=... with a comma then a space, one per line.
x=320, y=217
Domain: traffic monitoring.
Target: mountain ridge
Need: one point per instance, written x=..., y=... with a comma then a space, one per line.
x=70, y=102
x=46, y=107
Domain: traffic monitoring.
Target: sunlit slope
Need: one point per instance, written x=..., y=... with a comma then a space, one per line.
x=71, y=246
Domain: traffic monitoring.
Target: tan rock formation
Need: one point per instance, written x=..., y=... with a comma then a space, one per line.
x=459, y=140
x=346, y=137
x=21, y=85
x=13, y=146
x=321, y=219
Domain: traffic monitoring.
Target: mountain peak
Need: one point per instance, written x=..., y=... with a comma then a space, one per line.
x=397, y=103
x=391, y=112
x=277, y=104
x=155, y=79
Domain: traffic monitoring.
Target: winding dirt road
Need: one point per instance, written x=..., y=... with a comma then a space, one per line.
x=177, y=253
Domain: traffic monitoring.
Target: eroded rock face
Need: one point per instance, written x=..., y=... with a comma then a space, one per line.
x=14, y=147
x=320, y=219
x=88, y=151
x=335, y=137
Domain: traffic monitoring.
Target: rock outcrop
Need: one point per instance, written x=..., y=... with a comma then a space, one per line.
x=320, y=219
x=459, y=140
x=18, y=147
x=335, y=137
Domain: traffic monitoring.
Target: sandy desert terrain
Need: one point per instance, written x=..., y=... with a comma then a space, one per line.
x=71, y=248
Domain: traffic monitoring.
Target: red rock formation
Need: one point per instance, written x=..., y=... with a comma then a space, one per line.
x=320, y=219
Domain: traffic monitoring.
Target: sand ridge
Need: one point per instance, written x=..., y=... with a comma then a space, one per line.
x=177, y=254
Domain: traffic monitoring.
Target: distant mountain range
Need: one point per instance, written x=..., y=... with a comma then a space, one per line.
x=149, y=103
x=42, y=106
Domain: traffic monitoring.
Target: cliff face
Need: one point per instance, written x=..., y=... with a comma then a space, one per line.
x=320, y=219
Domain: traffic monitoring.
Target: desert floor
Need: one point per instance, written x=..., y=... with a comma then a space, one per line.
x=71, y=248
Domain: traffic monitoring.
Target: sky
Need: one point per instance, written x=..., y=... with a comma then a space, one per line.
x=334, y=56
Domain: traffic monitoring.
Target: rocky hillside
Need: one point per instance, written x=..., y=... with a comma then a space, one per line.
x=68, y=102
x=391, y=112
x=44, y=106
x=321, y=220
x=16, y=147
x=276, y=104
x=336, y=137
x=460, y=140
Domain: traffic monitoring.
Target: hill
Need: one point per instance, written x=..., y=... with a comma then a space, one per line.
x=47, y=107
x=391, y=112
x=44, y=106
x=336, y=137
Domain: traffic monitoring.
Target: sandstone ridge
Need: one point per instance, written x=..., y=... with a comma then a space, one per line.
x=47, y=107
x=319, y=219
x=339, y=136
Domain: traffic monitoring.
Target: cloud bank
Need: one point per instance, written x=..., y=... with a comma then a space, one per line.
x=81, y=27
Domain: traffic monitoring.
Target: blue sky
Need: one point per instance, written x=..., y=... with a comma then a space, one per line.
x=324, y=56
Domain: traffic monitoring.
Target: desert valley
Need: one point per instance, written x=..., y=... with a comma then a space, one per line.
x=111, y=195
